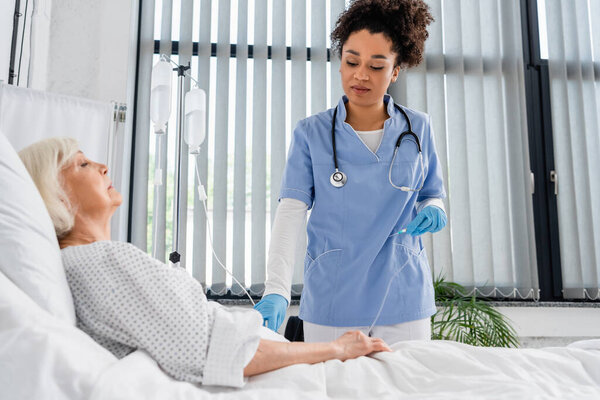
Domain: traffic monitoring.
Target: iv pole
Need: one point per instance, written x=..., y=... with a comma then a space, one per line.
x=197, y=102
x=175, y=256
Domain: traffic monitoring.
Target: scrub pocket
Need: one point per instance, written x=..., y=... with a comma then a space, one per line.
x=406, y=168
x=414, y=281
x=320, y=274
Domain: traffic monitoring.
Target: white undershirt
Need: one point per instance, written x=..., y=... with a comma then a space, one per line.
x=372, y=139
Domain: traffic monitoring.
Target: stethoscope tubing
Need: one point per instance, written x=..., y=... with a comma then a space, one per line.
x=339, y=179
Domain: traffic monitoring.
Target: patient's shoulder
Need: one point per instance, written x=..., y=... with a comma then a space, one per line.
x=107, y=254
x=104, y=267
x=101, y=246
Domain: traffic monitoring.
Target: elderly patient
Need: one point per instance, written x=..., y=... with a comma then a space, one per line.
x=127, y=300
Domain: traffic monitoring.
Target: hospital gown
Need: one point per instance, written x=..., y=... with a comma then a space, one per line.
x=126, y=300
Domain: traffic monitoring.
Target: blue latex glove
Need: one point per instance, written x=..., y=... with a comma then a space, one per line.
x=273, y=308
x=430, y=219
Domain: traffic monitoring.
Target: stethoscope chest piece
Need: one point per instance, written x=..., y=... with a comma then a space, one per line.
x=338, y=179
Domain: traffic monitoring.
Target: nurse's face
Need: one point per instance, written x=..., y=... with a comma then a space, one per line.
x=367, y=67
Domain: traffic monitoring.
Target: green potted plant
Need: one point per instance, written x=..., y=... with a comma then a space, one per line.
x=467, y=319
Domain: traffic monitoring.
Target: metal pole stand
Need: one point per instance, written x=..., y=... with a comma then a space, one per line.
x=175, y=257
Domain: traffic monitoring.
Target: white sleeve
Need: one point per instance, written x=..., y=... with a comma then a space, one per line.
x=233, y=342
x=432, y=201
x=287, y=227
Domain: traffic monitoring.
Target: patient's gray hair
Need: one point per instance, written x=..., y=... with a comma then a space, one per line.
x=44, y=160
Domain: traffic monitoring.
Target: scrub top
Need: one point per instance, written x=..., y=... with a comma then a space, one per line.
x=353, y=246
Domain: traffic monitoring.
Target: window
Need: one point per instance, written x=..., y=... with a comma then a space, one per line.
x=481, y=81
x=248, y=56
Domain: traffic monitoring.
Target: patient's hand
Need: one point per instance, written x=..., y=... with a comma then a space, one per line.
x=272, y=355
x=354, y=344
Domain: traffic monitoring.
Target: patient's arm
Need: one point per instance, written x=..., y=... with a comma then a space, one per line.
x=127, y=300
x=272, y=355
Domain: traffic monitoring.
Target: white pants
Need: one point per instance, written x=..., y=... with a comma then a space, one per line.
x=412, y=330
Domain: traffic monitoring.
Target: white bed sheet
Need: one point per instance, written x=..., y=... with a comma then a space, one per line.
x=415, y=370
x=42, y=356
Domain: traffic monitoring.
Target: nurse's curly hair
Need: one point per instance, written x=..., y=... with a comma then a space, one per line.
x=404, y=22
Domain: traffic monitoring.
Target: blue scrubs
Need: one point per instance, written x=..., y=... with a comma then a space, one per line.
x=353, y=248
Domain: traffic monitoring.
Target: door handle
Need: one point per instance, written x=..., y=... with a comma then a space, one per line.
x=554, y=178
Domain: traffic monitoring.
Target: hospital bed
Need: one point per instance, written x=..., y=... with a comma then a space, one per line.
x=44, y=356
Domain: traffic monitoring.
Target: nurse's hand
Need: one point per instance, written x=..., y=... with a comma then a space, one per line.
x=430, y=219
x=354, y=344
x=273, y=308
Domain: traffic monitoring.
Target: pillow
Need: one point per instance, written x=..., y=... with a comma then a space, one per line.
x=30, y=256
x=41, y=356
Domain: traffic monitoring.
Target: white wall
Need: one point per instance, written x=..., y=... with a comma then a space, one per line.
x=541, y=326
x=32, y=41
x=39, y=46
x=89, y=49
x=7, y=9
x=553, y=326
x=78, y=48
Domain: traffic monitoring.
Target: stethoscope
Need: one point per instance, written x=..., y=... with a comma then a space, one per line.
x=338, y=178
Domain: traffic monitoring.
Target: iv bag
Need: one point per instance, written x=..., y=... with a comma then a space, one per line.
x=195, y=119
x=160, y=97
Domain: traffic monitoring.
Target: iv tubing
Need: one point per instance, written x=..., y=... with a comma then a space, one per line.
x=210, y=236
x=386, y=294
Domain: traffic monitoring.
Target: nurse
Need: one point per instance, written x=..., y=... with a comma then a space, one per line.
x=369, y=171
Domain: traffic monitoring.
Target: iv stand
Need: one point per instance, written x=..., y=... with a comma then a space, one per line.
x=175, y=257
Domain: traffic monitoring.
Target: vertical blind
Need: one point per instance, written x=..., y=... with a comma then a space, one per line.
x=471, y=83
x=574, y=69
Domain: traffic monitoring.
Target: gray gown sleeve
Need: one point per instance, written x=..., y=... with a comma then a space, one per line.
x=125, y=297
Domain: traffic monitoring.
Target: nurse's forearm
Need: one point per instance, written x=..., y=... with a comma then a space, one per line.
x=273, y=355
x=287, y=227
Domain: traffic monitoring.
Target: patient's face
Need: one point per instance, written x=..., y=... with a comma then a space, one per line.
x=88, y=187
